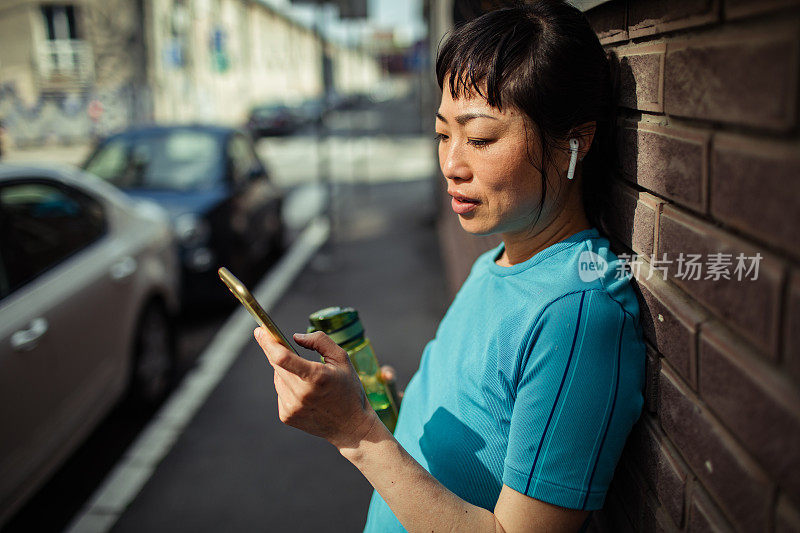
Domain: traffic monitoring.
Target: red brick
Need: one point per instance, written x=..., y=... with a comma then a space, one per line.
x=629, y=490
x=616, y=519
x=670, y=321
x=598, y=523
x=666, y=475
x=652, y=367
x=704, y=517
x=719, y=462
x=758, y=405
x=791, y=328
x=609, y=22
x=641, y=83
x=654, y=518
x=744, y=8
x=749, y=304
x=749, y=182
x=618, y=247
x=787, y=517
x=633, y=219
x=738, y=78
x=669, y=161
x=646, y=17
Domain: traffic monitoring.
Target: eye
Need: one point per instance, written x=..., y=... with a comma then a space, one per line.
x=479, y=143
x=439, y=137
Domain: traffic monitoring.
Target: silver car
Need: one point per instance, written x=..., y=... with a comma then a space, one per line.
x=88, y=288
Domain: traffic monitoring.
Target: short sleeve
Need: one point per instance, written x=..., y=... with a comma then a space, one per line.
x=578, y=393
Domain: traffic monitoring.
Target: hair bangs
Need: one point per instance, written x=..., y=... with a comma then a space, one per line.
x=482, y=60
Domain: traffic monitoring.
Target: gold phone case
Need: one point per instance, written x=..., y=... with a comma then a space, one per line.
x=249, y=302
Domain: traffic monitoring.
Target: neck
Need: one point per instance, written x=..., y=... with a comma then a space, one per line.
x=521, y=246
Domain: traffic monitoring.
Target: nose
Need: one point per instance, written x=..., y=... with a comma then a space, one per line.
x=453, y=161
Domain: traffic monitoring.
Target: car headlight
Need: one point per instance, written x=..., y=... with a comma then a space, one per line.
x=191, y=230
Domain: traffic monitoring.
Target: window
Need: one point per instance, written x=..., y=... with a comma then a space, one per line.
x=243, y=160
x=62, y=53
x=41, y=224
x=59, y=22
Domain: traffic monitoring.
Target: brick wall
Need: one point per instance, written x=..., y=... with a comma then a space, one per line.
x=709, y=150
x=710, y=160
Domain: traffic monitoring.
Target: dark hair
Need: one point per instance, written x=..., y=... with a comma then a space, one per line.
x=542, y=58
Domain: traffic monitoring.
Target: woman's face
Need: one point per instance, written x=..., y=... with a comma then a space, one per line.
x=485, y=156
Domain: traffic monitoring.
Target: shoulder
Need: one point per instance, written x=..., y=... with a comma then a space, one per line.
x=587, y=325
x=587, y=311
x=590, y=274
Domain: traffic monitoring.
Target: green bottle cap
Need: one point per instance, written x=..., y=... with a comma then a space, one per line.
x=340, y=323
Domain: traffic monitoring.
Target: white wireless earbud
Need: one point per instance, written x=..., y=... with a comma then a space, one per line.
x=573, y=158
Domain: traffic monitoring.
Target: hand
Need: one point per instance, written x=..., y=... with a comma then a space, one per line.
x=324, y=399
x=389, y=377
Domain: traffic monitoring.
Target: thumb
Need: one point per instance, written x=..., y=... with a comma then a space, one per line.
x=323, y=345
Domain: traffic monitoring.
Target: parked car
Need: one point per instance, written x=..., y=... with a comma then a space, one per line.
x=311, y=111
x=88, y=289
x=271, y=120
x=224, y=208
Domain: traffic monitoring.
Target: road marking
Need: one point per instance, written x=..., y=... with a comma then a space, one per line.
x=124, y=482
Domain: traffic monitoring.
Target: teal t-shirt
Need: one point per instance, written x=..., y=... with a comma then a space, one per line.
x=534, y=380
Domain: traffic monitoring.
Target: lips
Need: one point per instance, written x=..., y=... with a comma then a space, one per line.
x=462, y=204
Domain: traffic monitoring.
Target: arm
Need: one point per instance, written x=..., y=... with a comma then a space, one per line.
x=421, y=503
x=327, y=400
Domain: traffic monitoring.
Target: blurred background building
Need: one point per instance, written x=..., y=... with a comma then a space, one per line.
x=72, y=71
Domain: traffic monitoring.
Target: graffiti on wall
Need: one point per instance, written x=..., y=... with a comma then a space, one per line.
x=72, y=117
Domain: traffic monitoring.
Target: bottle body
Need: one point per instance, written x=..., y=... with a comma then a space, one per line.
x=369, y=372
x=343, y=325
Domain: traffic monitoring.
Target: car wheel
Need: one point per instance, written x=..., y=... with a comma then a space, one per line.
x=154, y=355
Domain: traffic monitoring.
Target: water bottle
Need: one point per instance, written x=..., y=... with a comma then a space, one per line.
x=343, y=326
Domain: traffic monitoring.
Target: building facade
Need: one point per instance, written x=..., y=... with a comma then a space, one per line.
x=73, y=71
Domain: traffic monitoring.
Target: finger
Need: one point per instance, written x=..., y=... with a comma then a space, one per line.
x=287, y=380
x=278, y=355
x=388, y=374
x=323, y=345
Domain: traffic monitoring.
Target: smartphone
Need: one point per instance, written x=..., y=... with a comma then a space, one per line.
x=249, y=302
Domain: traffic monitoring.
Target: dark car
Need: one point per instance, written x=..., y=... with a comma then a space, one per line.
x=311, y=111
x=224, y=209
x=268, y=120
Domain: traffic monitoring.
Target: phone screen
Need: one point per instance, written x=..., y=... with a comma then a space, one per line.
x=249, y=302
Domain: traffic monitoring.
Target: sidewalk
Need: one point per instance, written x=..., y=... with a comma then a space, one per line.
x=72, y=155
x=236, y=467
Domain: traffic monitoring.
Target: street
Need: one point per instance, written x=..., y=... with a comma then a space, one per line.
x=236, y=467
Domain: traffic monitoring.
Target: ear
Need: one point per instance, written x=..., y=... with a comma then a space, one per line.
x=585, y=135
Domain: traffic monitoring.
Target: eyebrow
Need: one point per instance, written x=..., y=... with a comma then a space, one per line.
x=466, y=117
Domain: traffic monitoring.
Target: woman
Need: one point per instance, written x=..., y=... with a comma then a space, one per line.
x=522, y=403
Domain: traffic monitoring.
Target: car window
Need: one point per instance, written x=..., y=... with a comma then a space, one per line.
x=177, y=160
x=110, y=160
x=242, y=158
x=41, y=224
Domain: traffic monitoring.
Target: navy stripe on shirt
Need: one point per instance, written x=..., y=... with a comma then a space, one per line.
x=560, y=387
x=610, y=415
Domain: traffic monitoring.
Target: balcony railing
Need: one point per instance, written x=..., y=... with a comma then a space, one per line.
x=65, y=62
